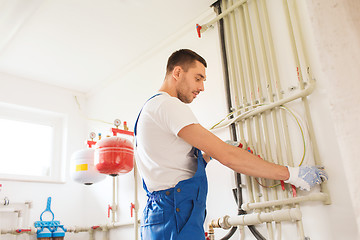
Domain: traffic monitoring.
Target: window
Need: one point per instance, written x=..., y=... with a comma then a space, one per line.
x=31, y=143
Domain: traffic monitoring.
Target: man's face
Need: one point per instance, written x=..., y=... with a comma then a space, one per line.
x=191, y=83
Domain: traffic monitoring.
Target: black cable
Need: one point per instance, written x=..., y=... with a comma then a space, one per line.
x=256, y=233
x=229, y=234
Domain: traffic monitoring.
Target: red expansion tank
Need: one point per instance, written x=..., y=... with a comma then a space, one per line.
x=114, y=155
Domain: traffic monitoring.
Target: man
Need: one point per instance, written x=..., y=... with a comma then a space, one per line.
x=170, y=142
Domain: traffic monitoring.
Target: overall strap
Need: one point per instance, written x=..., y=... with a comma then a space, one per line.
x=137, y=119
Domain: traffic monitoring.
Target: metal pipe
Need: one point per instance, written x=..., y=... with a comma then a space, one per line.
x=311, y=197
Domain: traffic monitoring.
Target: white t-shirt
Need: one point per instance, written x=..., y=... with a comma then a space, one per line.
x=163, y=158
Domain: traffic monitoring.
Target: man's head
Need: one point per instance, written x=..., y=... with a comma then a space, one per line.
x=187, y=69
x=184, y=58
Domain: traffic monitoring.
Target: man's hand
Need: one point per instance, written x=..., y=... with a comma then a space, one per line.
x=306, y=177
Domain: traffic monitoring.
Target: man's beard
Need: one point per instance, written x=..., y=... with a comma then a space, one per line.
x=183, y=97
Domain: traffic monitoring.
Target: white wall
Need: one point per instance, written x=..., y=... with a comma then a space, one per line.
x=337, y=38
x=67, y=198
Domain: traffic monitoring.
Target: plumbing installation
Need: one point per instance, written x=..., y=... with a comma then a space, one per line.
x=108, y=156
x=259, y=112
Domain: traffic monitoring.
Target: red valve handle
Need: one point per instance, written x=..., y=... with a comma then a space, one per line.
x=116, y=131
x=132, y=207
x=109, y=208
x=282, y=185
x=293, y=190
x=23, y=230
x=90, y=143
x=198, y=28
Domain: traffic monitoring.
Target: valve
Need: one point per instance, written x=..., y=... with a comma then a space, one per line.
x=132, y=207
x=116, y=130
x=293, y=190
x=125, y=126
x=198, y=28
x=282, y=185
x=91, y=142
x=22, y=230
x=109, y=209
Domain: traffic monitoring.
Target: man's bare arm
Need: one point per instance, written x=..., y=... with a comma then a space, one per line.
x=235, y=158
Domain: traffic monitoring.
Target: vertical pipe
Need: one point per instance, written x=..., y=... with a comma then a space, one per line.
x=247, y=33
x=114, y=206
x=267, y=35
x=273, y=62
x=297, y=46
x=234, y=87
x=254, y=75
x=136, y=202
x=218, y=11
x=274, y=67
x=243, y=90
x=91, y=234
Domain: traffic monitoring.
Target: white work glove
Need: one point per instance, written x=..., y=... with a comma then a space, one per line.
x=306, y=177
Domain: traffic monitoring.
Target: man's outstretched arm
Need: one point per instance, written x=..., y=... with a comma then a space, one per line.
x=244, y=162
x=233, y=157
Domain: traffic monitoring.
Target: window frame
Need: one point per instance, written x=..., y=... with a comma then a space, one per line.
x=58, y=122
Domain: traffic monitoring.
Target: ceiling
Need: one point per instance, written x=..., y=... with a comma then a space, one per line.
x=78, y=44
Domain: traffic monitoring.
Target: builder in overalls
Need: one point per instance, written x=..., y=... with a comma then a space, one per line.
x=169, y=146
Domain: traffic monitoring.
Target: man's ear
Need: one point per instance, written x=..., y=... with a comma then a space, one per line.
x=176, y=72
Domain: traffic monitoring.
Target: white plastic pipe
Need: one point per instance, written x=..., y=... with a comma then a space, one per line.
x=307, y=91
x=227, y=222
x=73, y=229
x=114, y=203
x=204, y=27
x=77, y=229
x=301, y=58
x=311, y=197
x=7, y=210
x=247, y=92
x=234, y=85
x=29, y=230
x=136, y=202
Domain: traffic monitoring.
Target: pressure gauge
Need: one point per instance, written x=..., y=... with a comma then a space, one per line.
x=117, y=122
x=92, y=135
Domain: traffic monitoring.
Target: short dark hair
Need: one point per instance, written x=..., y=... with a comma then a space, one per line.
x=184, y=58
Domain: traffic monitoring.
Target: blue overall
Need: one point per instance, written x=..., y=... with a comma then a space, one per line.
x=178, y=212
